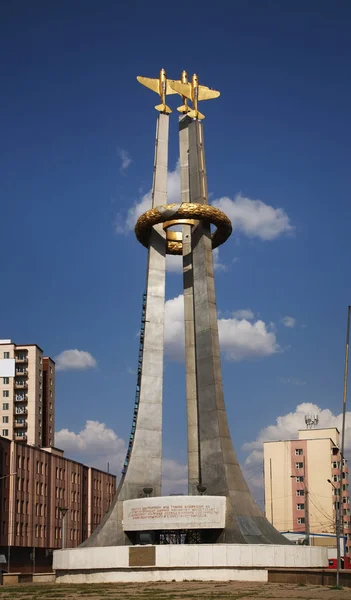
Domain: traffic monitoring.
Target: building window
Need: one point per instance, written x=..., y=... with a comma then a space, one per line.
x=336, y=465
x=298, y=451
x=299, y=465
x=37, y=531
x=6, y=380
x=5, y=432
x=300, y=492
x=5, y=393
x=336, y=477
x=6, y=355
x=5, y=419
x=5, y=406
x=301, y=520
x=300, y=507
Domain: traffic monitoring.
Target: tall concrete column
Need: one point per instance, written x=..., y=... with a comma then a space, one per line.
x=145, y=463
x=219, y=470
x=188, y=282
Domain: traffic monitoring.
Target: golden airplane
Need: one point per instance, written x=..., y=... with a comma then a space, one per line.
x=183, y=79
x=162, y=87
x=194, y=92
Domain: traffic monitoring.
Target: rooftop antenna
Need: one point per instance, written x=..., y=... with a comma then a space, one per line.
x=311, y=421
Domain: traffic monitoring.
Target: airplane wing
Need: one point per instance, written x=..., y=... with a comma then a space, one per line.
x=153, y=84
x=205, y=93
x=184, y=89
x=169, y=88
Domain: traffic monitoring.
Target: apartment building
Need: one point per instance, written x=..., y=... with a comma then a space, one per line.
x=27, y=394
x=300, y=467
x=37, y=487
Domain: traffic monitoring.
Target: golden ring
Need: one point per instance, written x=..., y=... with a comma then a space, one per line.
x=176, y=214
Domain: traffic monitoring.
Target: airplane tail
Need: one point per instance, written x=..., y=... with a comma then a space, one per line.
x=196, y=114
x=163, y=108
x=184, y=108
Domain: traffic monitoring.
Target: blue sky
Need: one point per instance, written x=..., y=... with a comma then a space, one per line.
x=72, y=112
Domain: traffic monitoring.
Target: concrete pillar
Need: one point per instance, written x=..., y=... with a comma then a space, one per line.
x=190, y=363
x=145, y=463
x=219, y=470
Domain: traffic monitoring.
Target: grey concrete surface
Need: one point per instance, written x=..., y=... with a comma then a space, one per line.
x=145, y=463
x=219, y=470
x=188, y=283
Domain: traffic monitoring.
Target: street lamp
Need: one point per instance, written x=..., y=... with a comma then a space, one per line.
x=337, y=531
x=63, y=510
x=9, y=475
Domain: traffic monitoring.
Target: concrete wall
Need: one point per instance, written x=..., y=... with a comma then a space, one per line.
x=312, y=434
x=278, y=484
x=221, y=562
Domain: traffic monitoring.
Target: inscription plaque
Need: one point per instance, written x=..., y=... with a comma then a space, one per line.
x=174, y=512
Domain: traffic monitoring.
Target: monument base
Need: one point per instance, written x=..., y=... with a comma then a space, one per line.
x=184, y=562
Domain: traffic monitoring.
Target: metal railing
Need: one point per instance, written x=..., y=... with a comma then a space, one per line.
x=137, y=391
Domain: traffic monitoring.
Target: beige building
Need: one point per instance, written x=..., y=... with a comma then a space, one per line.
x=294, y=468
x=27, y=394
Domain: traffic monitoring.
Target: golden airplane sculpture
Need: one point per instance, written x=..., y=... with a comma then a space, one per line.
x=192, y=91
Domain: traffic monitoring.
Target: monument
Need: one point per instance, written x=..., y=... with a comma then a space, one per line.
x=219, y=510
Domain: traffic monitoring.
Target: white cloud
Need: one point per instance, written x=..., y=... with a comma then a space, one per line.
x=254, y=218
x=286, y=428
x=125, y=158
x=289, y=322
x=239, y=339
x=174, y=327
x=174, y=477
x=98, y=446
x=74, y=359
x=95, y=445
x=245, y=313
x=145, y=202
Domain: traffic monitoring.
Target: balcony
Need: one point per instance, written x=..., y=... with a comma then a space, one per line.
x=20, y=359
x=20, y=424
x=21, y=372
x=20, y=385
x=19, y=437
x=20, y=410
x=20, y=398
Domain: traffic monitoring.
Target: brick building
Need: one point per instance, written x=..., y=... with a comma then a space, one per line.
x=35, y=483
